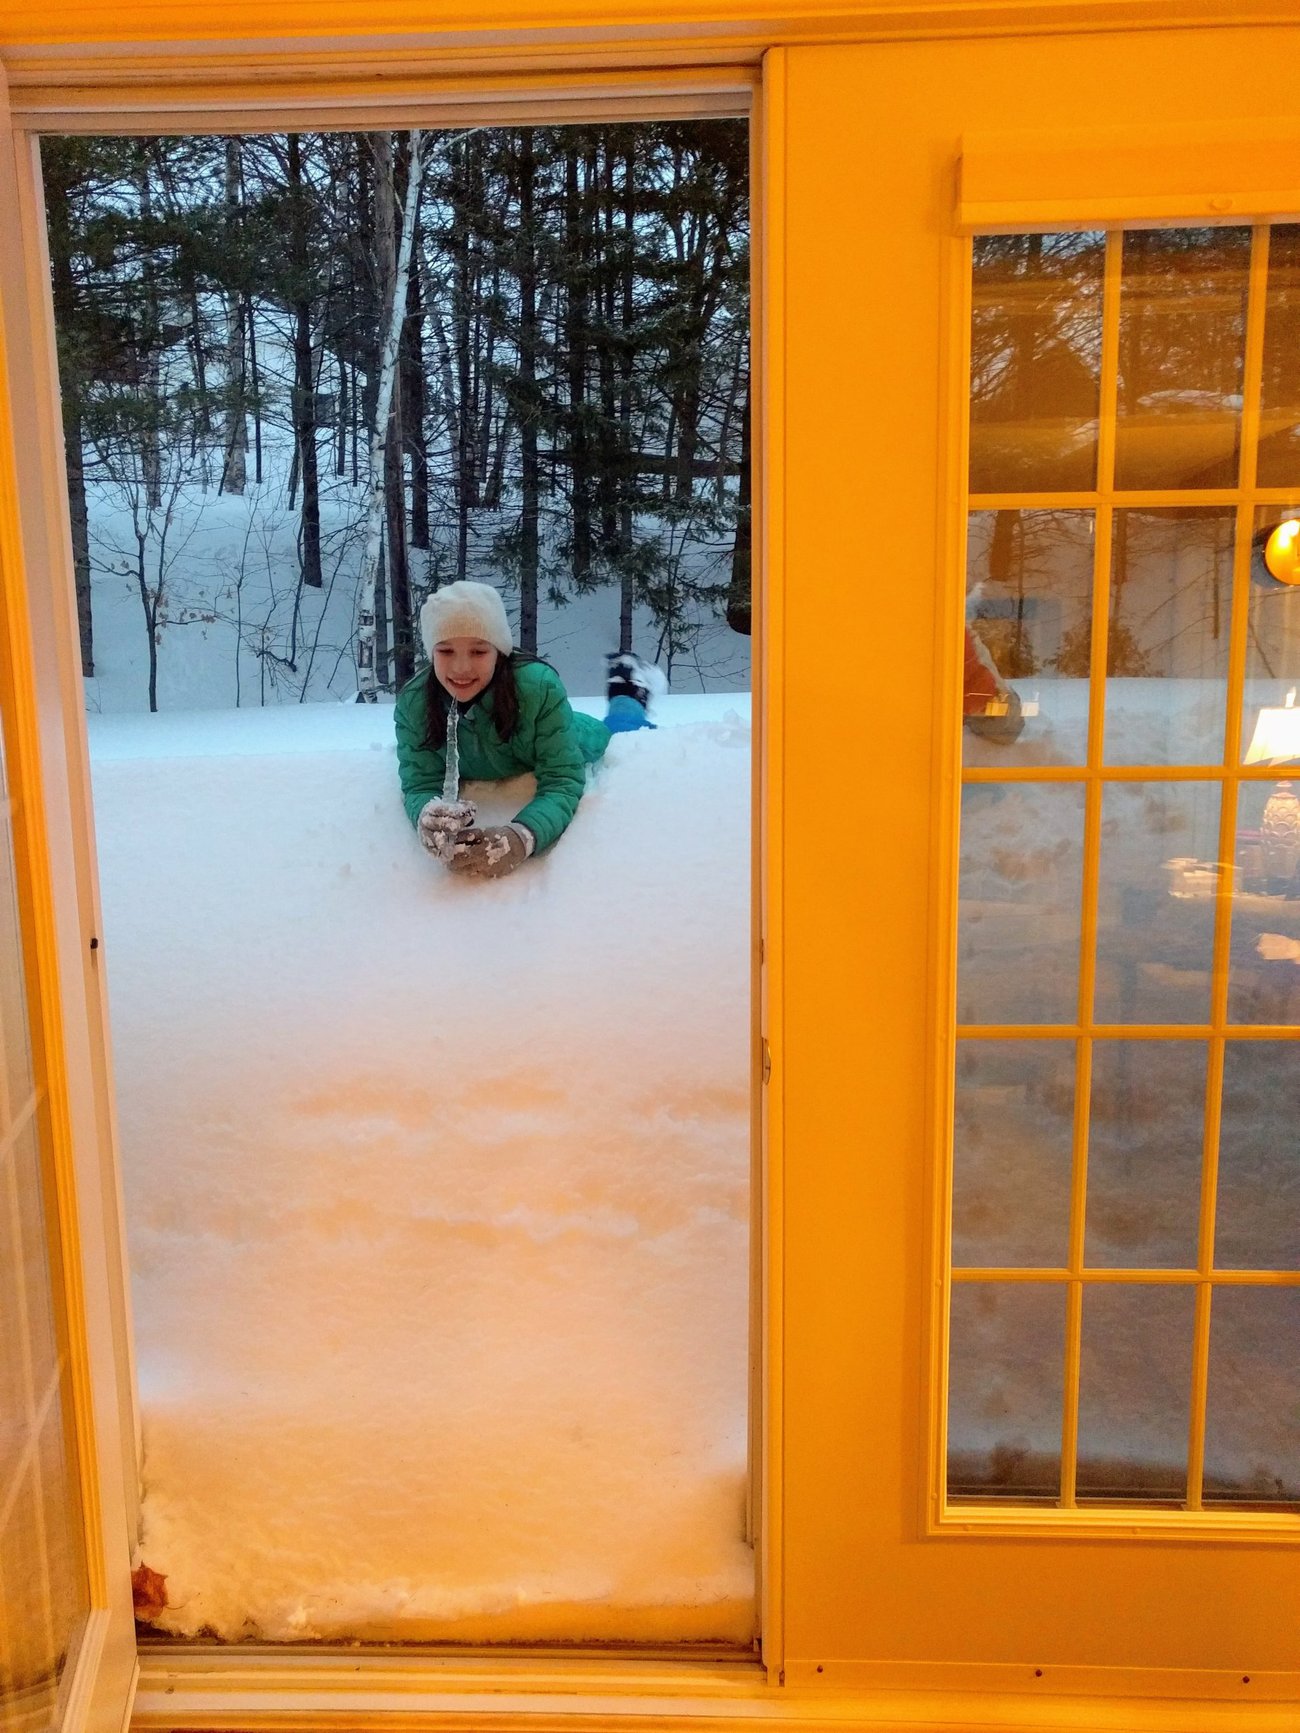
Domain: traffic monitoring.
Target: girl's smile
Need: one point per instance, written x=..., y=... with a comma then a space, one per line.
x=464, y=666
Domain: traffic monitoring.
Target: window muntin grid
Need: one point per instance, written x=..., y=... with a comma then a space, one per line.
x=1124, y=1322
x=43, y=1584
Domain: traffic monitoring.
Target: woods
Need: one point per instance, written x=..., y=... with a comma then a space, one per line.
x=307, y=378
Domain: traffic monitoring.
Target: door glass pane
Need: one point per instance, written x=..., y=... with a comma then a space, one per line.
x=1270, y=719
x=15, y=1041
x=1028, y=637
x=1021, y=869
x=1257, y=1223
x=1155, y=913
x=1011, y=1153
x=43, y=1588
x=1104, y=886
x=1167, y=637
x=1134, y=1391
x=1264, y=985
x=1279, y=411
x=1182, y=328
x=1035, y=361
x=1145, y=1133
x=1252, y=1419
x=1004, y=1397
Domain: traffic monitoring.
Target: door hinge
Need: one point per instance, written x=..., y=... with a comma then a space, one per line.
x=767, y=1061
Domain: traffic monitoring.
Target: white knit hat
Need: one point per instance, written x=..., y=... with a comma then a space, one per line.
x=465, y=610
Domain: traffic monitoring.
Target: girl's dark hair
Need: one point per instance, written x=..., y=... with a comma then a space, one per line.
x=505, y=700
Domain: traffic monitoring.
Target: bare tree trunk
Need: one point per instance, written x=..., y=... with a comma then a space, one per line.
x=341, y=426
x=530, y=477
x=79, y=519
x=381, y=618
x=150, y=433
x=149, y=600
x=627, y=359
x=609, y=476
x=576, y=342
x=415, y=402
x=199, y=354
x=461, y=298
x=687, y=417
x=234, y=468
x=257, y=388
x=733, y=401
x=497, y=472
x=739, y=590
x=234, y=472
x=304, y=383
x=396, y=311
x=304, y=402
x=488, y=350
x=398, y=565
x=356, y=429
x=65, y=313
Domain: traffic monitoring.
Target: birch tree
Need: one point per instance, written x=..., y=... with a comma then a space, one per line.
x=395, y=313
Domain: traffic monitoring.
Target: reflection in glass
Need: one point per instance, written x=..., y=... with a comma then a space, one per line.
x=63, y=1567
x=1181, y=337
x=43, y=1580
x=1145, y=1134
x=1011, y=1153
x=15, y=1051
x=1005, y=1373
x=1252, y=1429
x=1155, y=915
x=1167, y=641
x=1279, y=411
x=1272, y=639
x=1135, y=1379
x=1018, y=912
x=43, y=1586
x=1264, y=963
x=41, y=1597
x=13, y=1358
x=1028, y=608
x=1257, y=1224
x=1035, y=362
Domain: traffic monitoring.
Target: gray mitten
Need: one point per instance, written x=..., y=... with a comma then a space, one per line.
x=441, y=822
x=492, y=852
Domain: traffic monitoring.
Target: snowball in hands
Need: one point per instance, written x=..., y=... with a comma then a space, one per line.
x=492, y=852
x=441, y=822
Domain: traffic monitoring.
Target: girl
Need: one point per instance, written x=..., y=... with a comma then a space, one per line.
x=501, y=714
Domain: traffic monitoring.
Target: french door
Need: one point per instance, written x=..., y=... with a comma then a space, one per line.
x=67, y=1641
x=1036, y=337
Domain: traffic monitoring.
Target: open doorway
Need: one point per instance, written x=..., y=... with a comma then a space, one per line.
x=437, y=1189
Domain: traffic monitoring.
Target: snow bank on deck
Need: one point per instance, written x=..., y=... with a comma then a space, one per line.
x=437, y=1191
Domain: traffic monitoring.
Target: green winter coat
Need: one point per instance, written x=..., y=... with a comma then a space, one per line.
x=551, y=740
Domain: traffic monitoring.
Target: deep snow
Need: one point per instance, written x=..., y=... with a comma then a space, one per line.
x=437, y=1191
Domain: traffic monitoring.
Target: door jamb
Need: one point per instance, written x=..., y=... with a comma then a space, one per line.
x=215, y=105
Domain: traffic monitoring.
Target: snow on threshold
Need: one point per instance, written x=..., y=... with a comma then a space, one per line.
x=437, y=1190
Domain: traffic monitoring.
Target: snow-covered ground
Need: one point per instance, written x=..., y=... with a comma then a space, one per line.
x=234, y=630
x=437, y=1192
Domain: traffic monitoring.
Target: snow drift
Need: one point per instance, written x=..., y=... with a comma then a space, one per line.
x=437, y=1191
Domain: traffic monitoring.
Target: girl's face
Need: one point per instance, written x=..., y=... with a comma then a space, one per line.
x=464, y=666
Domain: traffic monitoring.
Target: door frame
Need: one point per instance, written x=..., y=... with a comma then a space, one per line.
x=570, y=96
x=76, y=83
x=60, y=921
